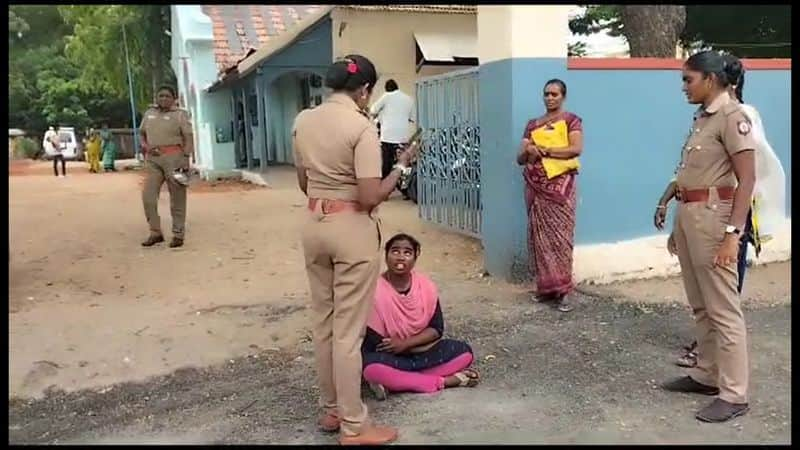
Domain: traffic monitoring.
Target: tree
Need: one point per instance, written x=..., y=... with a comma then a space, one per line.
x=760, y=31
x=16, y=26
x=26, y=23
x=757, y=30
x=97, y=44
x=651, y=30
x=576, y=49
x=48, y=86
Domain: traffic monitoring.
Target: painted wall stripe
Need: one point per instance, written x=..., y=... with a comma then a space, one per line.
x=664, y=64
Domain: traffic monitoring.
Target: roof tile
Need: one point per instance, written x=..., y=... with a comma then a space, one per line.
x=241, y=29
x=235, y=20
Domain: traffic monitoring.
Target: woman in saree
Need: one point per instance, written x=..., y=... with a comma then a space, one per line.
x=109, y=149
x=93, y=151
x=549, y=154
x=404, y=349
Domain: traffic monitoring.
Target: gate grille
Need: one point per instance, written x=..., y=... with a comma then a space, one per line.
x=449, y=170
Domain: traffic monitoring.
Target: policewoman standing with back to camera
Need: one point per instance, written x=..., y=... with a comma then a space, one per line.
x=715, y=181
x=338, y=160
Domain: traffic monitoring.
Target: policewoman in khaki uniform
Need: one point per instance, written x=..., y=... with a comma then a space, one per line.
x=166, y=134
x=338, y=160
x=715, y=181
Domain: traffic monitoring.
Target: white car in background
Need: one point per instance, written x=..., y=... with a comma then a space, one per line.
x=71, y=148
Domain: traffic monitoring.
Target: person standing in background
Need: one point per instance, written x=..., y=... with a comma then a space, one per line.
x=109, y=149
x=52, y=147
x=93, y=143
x=394, y=111
x=168, y=144
x=551, y=145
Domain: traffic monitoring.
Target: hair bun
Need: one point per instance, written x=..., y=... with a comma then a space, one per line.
x=351, y=73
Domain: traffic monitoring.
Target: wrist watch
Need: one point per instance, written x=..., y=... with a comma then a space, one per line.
x=730, y=229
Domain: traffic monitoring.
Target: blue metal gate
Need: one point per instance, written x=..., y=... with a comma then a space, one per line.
x=449, y=170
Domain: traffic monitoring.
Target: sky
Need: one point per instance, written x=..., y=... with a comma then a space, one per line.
x=598, y=44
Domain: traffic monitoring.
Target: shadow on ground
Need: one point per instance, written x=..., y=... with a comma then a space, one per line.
x=585, y=377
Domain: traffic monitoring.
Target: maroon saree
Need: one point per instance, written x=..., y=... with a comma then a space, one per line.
x=551, y=220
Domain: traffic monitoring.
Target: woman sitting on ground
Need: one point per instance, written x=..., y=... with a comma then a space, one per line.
x=404, y=349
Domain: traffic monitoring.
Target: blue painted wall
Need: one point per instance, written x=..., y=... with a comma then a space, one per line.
x=507, y=101
x=312, y=50
x=635, y=122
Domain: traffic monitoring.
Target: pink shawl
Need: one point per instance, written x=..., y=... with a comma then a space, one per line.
x=402, y=316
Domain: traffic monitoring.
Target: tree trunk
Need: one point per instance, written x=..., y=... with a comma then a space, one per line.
x=653, y=30
x=156, y=50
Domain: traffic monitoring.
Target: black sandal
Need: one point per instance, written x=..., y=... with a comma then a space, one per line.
x=544, y=298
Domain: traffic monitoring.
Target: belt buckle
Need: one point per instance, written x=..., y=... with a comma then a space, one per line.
x=325, y=206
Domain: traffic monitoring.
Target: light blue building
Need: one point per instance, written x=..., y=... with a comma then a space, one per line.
x=245, y=71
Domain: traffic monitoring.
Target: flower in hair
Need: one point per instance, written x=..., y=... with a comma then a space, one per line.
x=352, y=67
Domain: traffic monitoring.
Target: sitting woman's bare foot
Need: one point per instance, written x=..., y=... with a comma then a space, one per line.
x=465, y=378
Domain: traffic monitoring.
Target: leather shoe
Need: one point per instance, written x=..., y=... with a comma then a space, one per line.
x=176, y=242
x=721, y=411
x=153, y=240
x=370, y=435
x=688, y=385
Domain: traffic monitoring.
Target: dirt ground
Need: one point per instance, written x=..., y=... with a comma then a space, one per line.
x=209, y=343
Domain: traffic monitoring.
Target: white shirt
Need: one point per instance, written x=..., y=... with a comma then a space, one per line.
x=395, y=111
x=49, y=142
x=770, y=189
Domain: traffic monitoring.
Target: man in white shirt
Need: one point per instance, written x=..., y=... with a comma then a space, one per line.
x=395, y=112
x=52, y=147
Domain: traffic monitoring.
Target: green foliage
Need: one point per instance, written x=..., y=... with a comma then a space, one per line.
x=598, y=18
x=27, y=148
x=75, y=74
x=748, y=31
x=576, y=49
x=97, y=45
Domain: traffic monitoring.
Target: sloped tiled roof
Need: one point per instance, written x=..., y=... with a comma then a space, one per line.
x=241, y=29
x=452, y=9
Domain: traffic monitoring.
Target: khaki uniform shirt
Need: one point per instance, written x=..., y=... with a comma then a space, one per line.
x=337, y=144
x=166, y=128
x=719, y=131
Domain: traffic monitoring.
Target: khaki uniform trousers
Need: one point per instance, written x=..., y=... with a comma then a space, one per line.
x=712, y=293
x=342, y=254
x=159, y=169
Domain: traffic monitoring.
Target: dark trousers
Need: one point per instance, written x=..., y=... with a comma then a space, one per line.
x=57, y=158
x=389, y=157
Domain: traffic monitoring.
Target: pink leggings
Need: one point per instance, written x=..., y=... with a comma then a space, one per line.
x=425, y=381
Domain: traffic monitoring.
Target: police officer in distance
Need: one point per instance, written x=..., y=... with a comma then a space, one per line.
x=715, y=181
x=167, y=142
